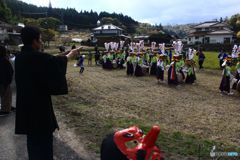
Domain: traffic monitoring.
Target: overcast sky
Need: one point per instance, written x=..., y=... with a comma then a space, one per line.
x=154, y=11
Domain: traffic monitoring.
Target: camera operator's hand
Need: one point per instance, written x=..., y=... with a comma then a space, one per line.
x=73, y=52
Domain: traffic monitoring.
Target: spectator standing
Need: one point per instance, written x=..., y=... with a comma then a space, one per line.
x=90, y=58
x=6, y=75
x=201, y=58
x=38, y=76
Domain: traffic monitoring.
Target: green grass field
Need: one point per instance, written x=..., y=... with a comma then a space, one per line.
x=211, y=61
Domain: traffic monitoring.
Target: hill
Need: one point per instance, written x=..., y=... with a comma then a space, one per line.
x=71, y=17
x=180, y=31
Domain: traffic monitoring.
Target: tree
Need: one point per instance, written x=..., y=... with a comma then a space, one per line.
x=160, y=37
x=5, y=12
x=49, y=23
x=48, y=35
x=109, y=20
x=31, y=22
x=234, y=22
x=70, y=17
x=238, y=35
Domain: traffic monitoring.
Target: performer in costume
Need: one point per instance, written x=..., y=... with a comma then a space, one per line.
x=109, y=60
x=221, y=56
x=115, y=59
x=160, y=67
x=105, y=56
x=162, y=48
x=184, y=54
x=145, y=61
x=178, y=46
x=152, y=60
x=153, y=64
x=190, y=54
x=238, y=68
x=122, y=60
x=146, y=58
x=138, y=69
x=126, y=54
x=191, y=77
x=172, y=71
x=236, y=85
x=104, y=60
x=235, y=54
x=179, y=66
x=130, y=69
x=225, y=83
x=150, y=57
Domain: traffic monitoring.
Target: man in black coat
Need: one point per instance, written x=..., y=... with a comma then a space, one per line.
x=38, y=76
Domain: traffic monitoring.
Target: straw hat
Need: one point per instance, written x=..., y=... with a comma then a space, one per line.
x=229, y=58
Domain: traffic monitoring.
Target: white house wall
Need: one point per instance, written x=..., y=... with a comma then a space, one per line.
x=194, y=40
x=218, y=38
x=213, y=39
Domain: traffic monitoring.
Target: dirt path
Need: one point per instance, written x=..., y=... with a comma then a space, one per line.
x=13, y=147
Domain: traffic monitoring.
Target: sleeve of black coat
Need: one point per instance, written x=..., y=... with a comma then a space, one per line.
x=56, y=75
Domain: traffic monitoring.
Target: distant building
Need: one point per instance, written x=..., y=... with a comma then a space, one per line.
x=63, y=28
x=212, y=32
x=10, y=36
x=142, y=37
x=107, y=30
x=107, y=33
x=7, y=30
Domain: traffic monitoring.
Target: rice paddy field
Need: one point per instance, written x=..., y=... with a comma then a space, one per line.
x=193, y=118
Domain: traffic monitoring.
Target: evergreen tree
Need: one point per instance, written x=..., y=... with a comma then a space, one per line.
x=69, y=16
x=5, y=12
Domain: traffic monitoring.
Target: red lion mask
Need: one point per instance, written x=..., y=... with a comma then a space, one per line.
x=145, y=148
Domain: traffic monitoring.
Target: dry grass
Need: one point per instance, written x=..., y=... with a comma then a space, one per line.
x=101, y=101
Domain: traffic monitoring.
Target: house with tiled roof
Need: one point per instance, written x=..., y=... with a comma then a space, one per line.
x=108, y=33
x=211, y=32
x=107, y=30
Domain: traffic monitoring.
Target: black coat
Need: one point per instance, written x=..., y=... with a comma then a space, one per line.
x=6, y=72
x=38, y=76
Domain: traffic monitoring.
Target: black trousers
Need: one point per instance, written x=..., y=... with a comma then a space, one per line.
x=40, y=147
x=220, y=64
x=81, y=69
x=225, y=84
x=200, y=64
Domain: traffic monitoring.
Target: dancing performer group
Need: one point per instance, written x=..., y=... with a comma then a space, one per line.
x=140, y=61
x=113, y=58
